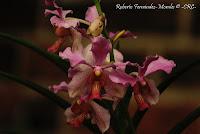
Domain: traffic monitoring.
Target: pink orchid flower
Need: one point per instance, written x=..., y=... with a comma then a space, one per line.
x=145, y=91
x=90, y=68
x=79, y=111
x=59, y=17
x=64, y=24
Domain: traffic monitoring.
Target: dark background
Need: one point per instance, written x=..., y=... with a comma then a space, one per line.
x=173, y=34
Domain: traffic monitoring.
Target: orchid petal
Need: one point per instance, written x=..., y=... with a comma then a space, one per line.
x=142, y=104
x=51, y=3
x=74, y=58
x=156, y=63
x=117, y=55
x=101, y=117
x=80, y=83
x=87, y=54
x=151, y=95
x=117, y=76
x=60, y=87
x=91, y=14
x=100, y=49
x=73, y=119
x=77, y=41
x=63, y=23
x=57, y=44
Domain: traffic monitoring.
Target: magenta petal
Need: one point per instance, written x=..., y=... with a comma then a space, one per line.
x=100, y=49
x=122, y=78
x=74, y=58
x=158, y=64
x=60, y=87
x=91, y=14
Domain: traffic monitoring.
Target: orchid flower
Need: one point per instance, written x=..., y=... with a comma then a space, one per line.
x=90, y=68
x=81, y=110
x=63, y=23
x=145, y=91
x=92, y=19
x=59, y=18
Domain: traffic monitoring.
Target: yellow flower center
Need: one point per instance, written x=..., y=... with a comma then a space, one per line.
x=97, y=73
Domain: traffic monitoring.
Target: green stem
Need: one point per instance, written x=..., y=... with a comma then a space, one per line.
x=162, y=87
x=185, y=122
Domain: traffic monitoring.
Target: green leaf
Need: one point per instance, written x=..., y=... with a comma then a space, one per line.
x=43, y=91
x=62, y=64
x=50, y=95
x=191, y=117
x=162, y=87
x=120, y=120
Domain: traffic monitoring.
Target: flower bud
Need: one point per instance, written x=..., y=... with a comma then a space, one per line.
x=96, y=27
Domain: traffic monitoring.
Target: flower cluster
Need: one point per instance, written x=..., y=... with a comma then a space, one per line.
x=93, y=75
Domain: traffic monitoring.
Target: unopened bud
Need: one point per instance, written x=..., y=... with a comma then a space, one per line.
x=96, y=27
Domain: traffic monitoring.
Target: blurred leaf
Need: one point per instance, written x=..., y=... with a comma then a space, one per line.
x=62, y=64
x=43, y=91
x=120, y=119
x=50, y=95
x=162, y=87
x=191, y=117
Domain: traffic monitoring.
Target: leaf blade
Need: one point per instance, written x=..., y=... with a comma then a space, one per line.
x=178, y=128
x=50, y=95
x=62, y=64
x=45, y=92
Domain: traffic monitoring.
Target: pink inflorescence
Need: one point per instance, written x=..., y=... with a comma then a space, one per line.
x=93, y=74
